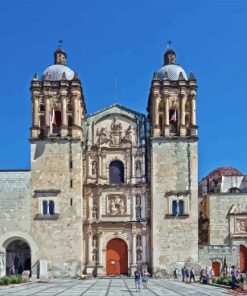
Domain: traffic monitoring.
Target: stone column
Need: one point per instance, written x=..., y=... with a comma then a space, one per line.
x=156, y=111
x=47, y=111
x=74, y=110
x=133, y=248
x=35, y=111
x=89, y=247
x=90, y=207
x=167, y=111
x=144, y=246
x=100, y=248
x=167, y=119
x=193, y=111
x=182, y=109
x=133, y=207
x=143, y=199
x=133, y=173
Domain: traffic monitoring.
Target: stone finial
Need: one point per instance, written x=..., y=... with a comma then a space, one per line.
x=155, y=77
x=181, y=76
x=192, y=76
x=46, y=76
x=35, y=76
x=76, y=76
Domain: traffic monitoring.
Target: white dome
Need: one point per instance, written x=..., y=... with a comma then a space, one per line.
x=55, y=72
x=172, y=71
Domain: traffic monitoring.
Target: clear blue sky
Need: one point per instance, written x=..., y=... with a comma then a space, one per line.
x=129, y=38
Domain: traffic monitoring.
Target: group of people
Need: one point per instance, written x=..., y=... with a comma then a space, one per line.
x=205, y=274
x=237, y=278
x=188, y=274
x=141, y=277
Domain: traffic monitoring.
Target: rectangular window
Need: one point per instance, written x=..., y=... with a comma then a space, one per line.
x=71, y=164
x=71, y=183
x=71, y=202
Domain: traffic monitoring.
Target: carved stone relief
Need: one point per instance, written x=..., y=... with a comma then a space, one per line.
x=240, y=225
x=138, y=169
x=94, y=168
x=116, y=135
x=116, y=205
x=239, y=208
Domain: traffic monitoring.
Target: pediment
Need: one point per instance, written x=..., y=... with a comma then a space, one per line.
x=239, y=208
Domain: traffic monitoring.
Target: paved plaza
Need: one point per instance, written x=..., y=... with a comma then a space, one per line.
x=111, y=287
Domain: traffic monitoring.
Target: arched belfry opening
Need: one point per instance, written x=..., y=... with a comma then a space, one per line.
x=18, y=257
x=116, y=172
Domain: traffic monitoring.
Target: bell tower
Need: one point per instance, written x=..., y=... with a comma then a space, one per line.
x=57, y=101
x=173, y=167
x=58, y=111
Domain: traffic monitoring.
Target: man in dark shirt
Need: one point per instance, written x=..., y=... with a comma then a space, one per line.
x=137, y=275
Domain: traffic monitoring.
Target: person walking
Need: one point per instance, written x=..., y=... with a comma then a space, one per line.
x=183, y=273
x=187, y=275
x=145, y=277
x=192, y=274
x=175, y=273
x=234, y=278
x=138, y=276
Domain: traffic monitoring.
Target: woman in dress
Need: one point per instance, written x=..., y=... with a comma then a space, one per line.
x=145, y=276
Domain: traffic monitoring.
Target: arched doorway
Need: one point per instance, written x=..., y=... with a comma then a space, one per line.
x=243, y=259
x=216, y=268
x=116, y=257
x=18, y=257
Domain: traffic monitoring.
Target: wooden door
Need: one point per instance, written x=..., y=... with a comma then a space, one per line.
x=243, y=259
x=116, y=257
x=216, y=268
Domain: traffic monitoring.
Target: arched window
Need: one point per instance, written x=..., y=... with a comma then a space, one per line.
x=41, y=120
x=58, y=118
x=174, y=207
x=173, y=118
x=70, y=122
x=41, y=108
x=69, y=107
x=181, y=207
x=116, y=172
x=51, y=207
x=45, y=207
x=138, y=241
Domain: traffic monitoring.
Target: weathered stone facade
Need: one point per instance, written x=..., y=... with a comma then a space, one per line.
x=112, y=190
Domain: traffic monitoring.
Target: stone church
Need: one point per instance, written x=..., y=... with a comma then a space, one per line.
x=108, y=191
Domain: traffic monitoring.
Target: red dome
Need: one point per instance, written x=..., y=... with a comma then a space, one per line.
x=223, y=171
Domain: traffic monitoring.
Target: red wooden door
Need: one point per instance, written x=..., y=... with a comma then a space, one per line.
x=116, y=257
x=216, y=268
x=243, y=259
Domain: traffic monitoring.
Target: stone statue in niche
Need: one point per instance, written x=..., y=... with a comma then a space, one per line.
x=95, y=212
x=138, y=212
x=139, y=255
x=139, y=241
x=130, y=134
x=116, y=126
x=138, y=200
x=94, y=241
x=138, y=169
x=94, y=168
x=102, y=136
x=116, y=133
x=116, y=205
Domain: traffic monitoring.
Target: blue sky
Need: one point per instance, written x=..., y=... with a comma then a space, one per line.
x=128, y=38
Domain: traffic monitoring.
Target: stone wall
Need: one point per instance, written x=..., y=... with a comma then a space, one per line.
x=14, y=201
x=219, y=206
x=57, y=175
x=174, y=175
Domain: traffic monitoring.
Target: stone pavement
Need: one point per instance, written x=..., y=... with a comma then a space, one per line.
x=111, y=287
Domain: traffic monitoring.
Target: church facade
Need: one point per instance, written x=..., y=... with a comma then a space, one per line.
x=109, y=191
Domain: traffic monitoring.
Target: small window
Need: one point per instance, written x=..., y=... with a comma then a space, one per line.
x=71, y=202
x=69, y=107
x=174, y=207
x=71, y=164
x=41, y=120
x=51, y=207
x=71, y=183
x=181, y=207
x=58, y=118
x=45, y=207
